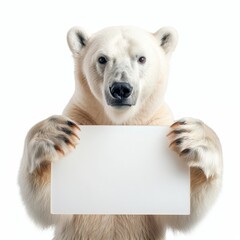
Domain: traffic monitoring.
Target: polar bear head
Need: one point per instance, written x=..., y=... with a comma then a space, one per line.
x=123, y=69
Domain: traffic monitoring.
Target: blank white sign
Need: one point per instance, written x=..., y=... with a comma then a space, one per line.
x=121, y=170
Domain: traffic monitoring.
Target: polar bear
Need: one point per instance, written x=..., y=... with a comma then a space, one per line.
x=120, y=79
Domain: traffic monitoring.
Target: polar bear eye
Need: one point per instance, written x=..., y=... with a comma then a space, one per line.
x=102, y=60
x=142, y=60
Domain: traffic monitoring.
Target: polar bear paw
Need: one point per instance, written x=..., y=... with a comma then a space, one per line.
x=51, y=139
x=196, y=144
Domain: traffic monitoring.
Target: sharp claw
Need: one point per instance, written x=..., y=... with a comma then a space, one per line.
x=185, y=151
x=57, y=148
x=69, y=132
x=75, y=135
x=179, y=131
x=72, y=124
x=176, y=142
x=68, y=142
x=178, y=123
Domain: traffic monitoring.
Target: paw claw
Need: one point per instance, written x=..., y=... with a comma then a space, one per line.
x=66, y=140
x=176, y=142
x=185, y=151
x=178, y=123
x=69, y=132
x=72, y=124
x=177, y=131
x=58, y=149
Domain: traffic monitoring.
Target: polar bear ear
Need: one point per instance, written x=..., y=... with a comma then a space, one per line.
x=77, y=39
x=167, y=38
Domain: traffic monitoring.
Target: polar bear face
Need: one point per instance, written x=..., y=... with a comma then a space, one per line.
x=125, y=68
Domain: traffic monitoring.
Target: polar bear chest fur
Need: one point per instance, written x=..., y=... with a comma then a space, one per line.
x=109, y=227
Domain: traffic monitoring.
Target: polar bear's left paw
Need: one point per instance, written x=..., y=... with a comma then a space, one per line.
x=196, y=143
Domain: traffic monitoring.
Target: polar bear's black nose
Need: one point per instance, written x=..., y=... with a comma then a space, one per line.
x=121, y=90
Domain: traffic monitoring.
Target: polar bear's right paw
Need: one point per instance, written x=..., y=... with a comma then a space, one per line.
x=51, y=139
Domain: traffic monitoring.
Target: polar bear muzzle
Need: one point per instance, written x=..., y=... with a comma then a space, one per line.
x=120, y=94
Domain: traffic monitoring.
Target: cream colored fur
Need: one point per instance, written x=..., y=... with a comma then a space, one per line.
x=54, y=137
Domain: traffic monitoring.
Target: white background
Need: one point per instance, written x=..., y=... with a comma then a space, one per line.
x=36, y=74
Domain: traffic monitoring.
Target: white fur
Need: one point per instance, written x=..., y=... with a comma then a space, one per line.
x=50, y=139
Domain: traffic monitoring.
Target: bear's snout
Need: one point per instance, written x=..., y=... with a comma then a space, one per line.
x=121, y=94
x=121, y=90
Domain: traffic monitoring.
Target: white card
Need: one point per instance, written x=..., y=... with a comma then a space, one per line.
x=121, y=170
